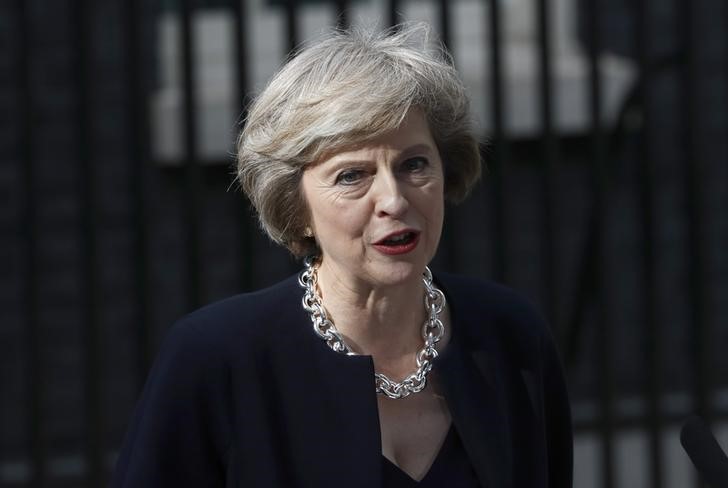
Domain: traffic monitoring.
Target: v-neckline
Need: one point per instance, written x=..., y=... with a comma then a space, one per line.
x=437, y=459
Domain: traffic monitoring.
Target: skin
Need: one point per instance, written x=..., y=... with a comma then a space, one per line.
x=356, y=198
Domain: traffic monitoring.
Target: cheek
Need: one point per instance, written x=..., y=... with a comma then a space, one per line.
x=322, y=207
x=438, y=216
x=340, y=220
x=434, y=201
x=435, y=214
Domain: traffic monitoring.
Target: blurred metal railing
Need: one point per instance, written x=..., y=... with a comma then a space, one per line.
x=568, y=323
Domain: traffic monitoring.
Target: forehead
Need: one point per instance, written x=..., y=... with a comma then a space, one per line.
x=413, y=135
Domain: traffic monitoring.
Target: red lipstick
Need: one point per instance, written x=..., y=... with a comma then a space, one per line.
x=400, y=242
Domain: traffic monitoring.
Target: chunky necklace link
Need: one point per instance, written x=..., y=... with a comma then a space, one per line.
x=432, y=331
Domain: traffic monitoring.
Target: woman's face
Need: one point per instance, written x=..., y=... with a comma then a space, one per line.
x=377, y=209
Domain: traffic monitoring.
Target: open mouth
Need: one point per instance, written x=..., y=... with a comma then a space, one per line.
x=399, y=240
x=399, y=243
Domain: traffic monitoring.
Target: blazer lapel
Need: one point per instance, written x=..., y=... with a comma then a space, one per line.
x=333, y=407
x=349, y=404
x=475, y=396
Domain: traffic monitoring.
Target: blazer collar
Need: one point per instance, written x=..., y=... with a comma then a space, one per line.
x=475, y=397
x=351, y=406
x=343, y=415
x=471, y=376
x=471, y=373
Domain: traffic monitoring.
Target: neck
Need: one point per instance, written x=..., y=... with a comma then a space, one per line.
x=381, y=321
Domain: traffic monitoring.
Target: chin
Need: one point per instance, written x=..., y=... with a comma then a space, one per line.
x=397, y=273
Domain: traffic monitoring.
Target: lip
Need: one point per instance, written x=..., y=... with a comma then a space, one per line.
x=403, y=248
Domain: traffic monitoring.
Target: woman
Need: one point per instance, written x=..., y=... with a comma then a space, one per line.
x=364, y=371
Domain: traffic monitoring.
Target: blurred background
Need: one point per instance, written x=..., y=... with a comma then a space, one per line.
x=605, y=132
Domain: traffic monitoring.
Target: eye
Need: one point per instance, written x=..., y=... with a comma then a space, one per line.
x=414, y=165
x=349, y=177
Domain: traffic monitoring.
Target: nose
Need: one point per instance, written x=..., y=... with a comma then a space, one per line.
x=389, y=198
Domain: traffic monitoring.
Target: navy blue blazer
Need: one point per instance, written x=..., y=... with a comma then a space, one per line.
x=244, y=394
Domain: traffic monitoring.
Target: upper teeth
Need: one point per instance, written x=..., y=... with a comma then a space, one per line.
x=400, y=237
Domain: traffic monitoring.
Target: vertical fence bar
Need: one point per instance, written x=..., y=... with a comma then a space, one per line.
x=448, y=248
x=138, y=130
x=393, y=15
x=692, y=167
x=93, y=428
x=293, y=35
x=342, y=14
x=599, y=189
x=291, y=7
x=192, y=175
x=241, y=101
x=645, y=181
x=35, y=425
x=499, y=144
x=445, y=30
x=550, y=157
x=724, y=297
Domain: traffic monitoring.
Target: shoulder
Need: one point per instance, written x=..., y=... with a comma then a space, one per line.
x=237, y=323
x=501, y=321
x=491, y=301
x=206, y=357
x=490, y=312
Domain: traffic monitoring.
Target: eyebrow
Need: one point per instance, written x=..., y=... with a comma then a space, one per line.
x=334, y=167
x=417, y=148
x=406, y=152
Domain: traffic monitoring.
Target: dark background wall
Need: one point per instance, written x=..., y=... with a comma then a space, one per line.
x=95, y=245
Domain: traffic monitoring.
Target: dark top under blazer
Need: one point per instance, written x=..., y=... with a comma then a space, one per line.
x=244, y=394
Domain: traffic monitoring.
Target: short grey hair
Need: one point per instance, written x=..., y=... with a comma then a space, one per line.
x=343, y=89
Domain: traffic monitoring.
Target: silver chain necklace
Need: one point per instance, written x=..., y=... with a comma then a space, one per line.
x=432, y=332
